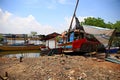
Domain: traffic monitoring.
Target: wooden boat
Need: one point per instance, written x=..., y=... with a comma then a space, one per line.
x=85, y=38
x=75, y=39
x=17, y=48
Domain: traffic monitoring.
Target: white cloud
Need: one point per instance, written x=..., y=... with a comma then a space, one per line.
x=9, y=23
x=67, y=20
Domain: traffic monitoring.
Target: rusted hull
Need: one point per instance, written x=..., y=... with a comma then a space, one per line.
x=85, y=47
x=16, y=48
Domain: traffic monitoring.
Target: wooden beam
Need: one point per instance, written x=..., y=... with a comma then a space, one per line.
x=110, y=43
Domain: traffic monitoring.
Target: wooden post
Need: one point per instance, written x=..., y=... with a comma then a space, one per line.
x=24, y=38
x=55, y=42
x=21, y=59
x=110, y=43
x=48, y=43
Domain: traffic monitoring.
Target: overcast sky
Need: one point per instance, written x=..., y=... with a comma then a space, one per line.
x=47, y=16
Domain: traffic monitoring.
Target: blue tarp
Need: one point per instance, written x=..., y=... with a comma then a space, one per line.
x=68, y=47
x=72, y=37
x=114, y=50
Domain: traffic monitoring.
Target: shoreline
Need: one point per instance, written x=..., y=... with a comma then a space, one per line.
x=59, y=67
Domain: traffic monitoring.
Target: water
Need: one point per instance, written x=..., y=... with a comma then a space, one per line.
x=18, y=54
x=25, y=54
x=22, y=41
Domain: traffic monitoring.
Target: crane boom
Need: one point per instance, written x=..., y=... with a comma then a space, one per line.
x=73, y=16
x=72, y=19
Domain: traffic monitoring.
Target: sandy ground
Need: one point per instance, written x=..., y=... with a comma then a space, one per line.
x=59, y=67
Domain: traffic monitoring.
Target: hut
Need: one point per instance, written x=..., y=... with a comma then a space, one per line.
x=50, y=40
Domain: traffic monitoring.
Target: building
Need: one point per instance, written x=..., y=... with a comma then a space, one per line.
x=50, y=40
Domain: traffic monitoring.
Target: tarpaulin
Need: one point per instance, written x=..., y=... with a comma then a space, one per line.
x=101, y=34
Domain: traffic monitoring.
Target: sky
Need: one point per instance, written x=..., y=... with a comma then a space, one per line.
x=47, y=16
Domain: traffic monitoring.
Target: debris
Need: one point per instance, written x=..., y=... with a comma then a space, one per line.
x=117, y=57
x=99, y=60
x=50, y=79
x=62, y=62
x=94, y=59
x=72, y=78
x=67, y=68
x=59, y=68
x=82, y=76
x=4, y=77
x=72, y=71
x=21, y=59
x=112, y=60
x=6, y=74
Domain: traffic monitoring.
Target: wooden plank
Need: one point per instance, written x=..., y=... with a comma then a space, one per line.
x=68, y=51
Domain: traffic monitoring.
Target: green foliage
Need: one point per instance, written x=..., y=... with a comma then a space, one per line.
x=41, y=36
x=100, y=22
x=1, y=38
x=33, y=33
x=116, y=41
x=94, y=21
x=117, y=25
x=109, y=25
x=58, y=38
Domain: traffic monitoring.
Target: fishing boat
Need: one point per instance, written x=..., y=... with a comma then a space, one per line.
x=18, y=48
x=85, y=38
x=19, y=44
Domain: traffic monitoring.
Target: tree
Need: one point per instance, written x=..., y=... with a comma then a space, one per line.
x=116, y=41
x=1, y=38
x=33, y=33
x=41, y=36
x=117, y=26
x=100, y=23
x=109, y=25
x=94, y=22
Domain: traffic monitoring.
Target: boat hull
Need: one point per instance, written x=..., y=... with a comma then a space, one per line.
x=17, y=48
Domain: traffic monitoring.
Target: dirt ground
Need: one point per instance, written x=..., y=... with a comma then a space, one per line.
x=59, y=67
